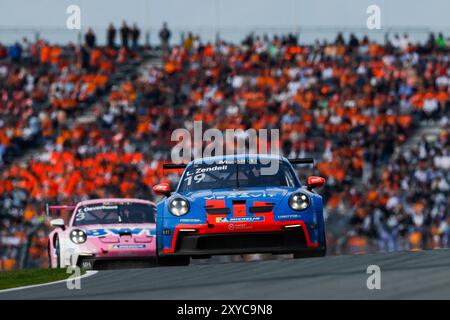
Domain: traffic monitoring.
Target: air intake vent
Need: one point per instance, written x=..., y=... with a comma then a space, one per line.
x=261, y=209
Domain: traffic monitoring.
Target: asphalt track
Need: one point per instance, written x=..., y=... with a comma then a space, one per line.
x=404, y=275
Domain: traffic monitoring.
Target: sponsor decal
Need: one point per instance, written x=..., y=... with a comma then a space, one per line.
x=232, y=195
x=241, y=226
x=87, y=264
x=239, y=219
x=290, y=216
x=190, y=220
x=81, y=212
x=100, y=207
x=207, y=169
x=128, y=246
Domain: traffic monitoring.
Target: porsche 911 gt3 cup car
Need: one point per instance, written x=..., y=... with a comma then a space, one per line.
x=101, y=231
x=225, y=205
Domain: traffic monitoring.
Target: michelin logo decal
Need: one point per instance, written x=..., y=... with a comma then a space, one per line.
x=240, y=219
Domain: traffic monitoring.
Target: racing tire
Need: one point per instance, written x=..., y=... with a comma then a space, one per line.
x=313, y=254
x=49, y=257
x=321, y=252
x=171, y=261
x=57, y=250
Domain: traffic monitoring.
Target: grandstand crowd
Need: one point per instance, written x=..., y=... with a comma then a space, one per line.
x=351, y=103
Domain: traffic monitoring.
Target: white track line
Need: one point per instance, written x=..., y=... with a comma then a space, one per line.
x=87, y=274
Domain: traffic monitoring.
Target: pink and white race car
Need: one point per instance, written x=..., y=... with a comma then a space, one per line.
x=103, y=231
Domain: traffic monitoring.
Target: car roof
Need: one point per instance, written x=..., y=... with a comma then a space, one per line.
x=212, y=160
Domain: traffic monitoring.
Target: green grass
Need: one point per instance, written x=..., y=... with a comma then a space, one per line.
x=26, y=277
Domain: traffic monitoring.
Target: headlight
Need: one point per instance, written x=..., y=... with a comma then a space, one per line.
x=78, y=236
x=299, y=201
x=179, y=207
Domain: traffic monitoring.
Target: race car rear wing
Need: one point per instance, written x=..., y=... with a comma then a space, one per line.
x=175, y=166
x=49, y=209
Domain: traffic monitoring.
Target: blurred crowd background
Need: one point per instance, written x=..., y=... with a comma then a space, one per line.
x=87, y=121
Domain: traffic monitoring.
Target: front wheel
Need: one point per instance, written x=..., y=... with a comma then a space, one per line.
x=320, y=252
x=170, y=261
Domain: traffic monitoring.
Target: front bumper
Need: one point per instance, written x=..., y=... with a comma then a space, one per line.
x=94, y=252
x=276, y=238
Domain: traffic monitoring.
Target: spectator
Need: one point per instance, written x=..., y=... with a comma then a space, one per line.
x=26, y=46
x=84, y=57
x=15, y=52
x=90, y=39
x=164, y=36
x=440, y=41
x=124, y=34
x=111, y=36
x=135, y=34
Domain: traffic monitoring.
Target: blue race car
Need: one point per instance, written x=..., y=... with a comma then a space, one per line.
x=228, y=205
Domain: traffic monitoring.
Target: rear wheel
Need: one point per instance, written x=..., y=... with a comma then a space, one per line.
x=174, y=261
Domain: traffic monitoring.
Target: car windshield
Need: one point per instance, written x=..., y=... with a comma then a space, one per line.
x=114, y=213
x=235, y=175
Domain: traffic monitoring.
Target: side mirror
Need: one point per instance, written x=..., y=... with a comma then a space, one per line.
x=57, y=223
x=315, y=182
x=162, y=189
